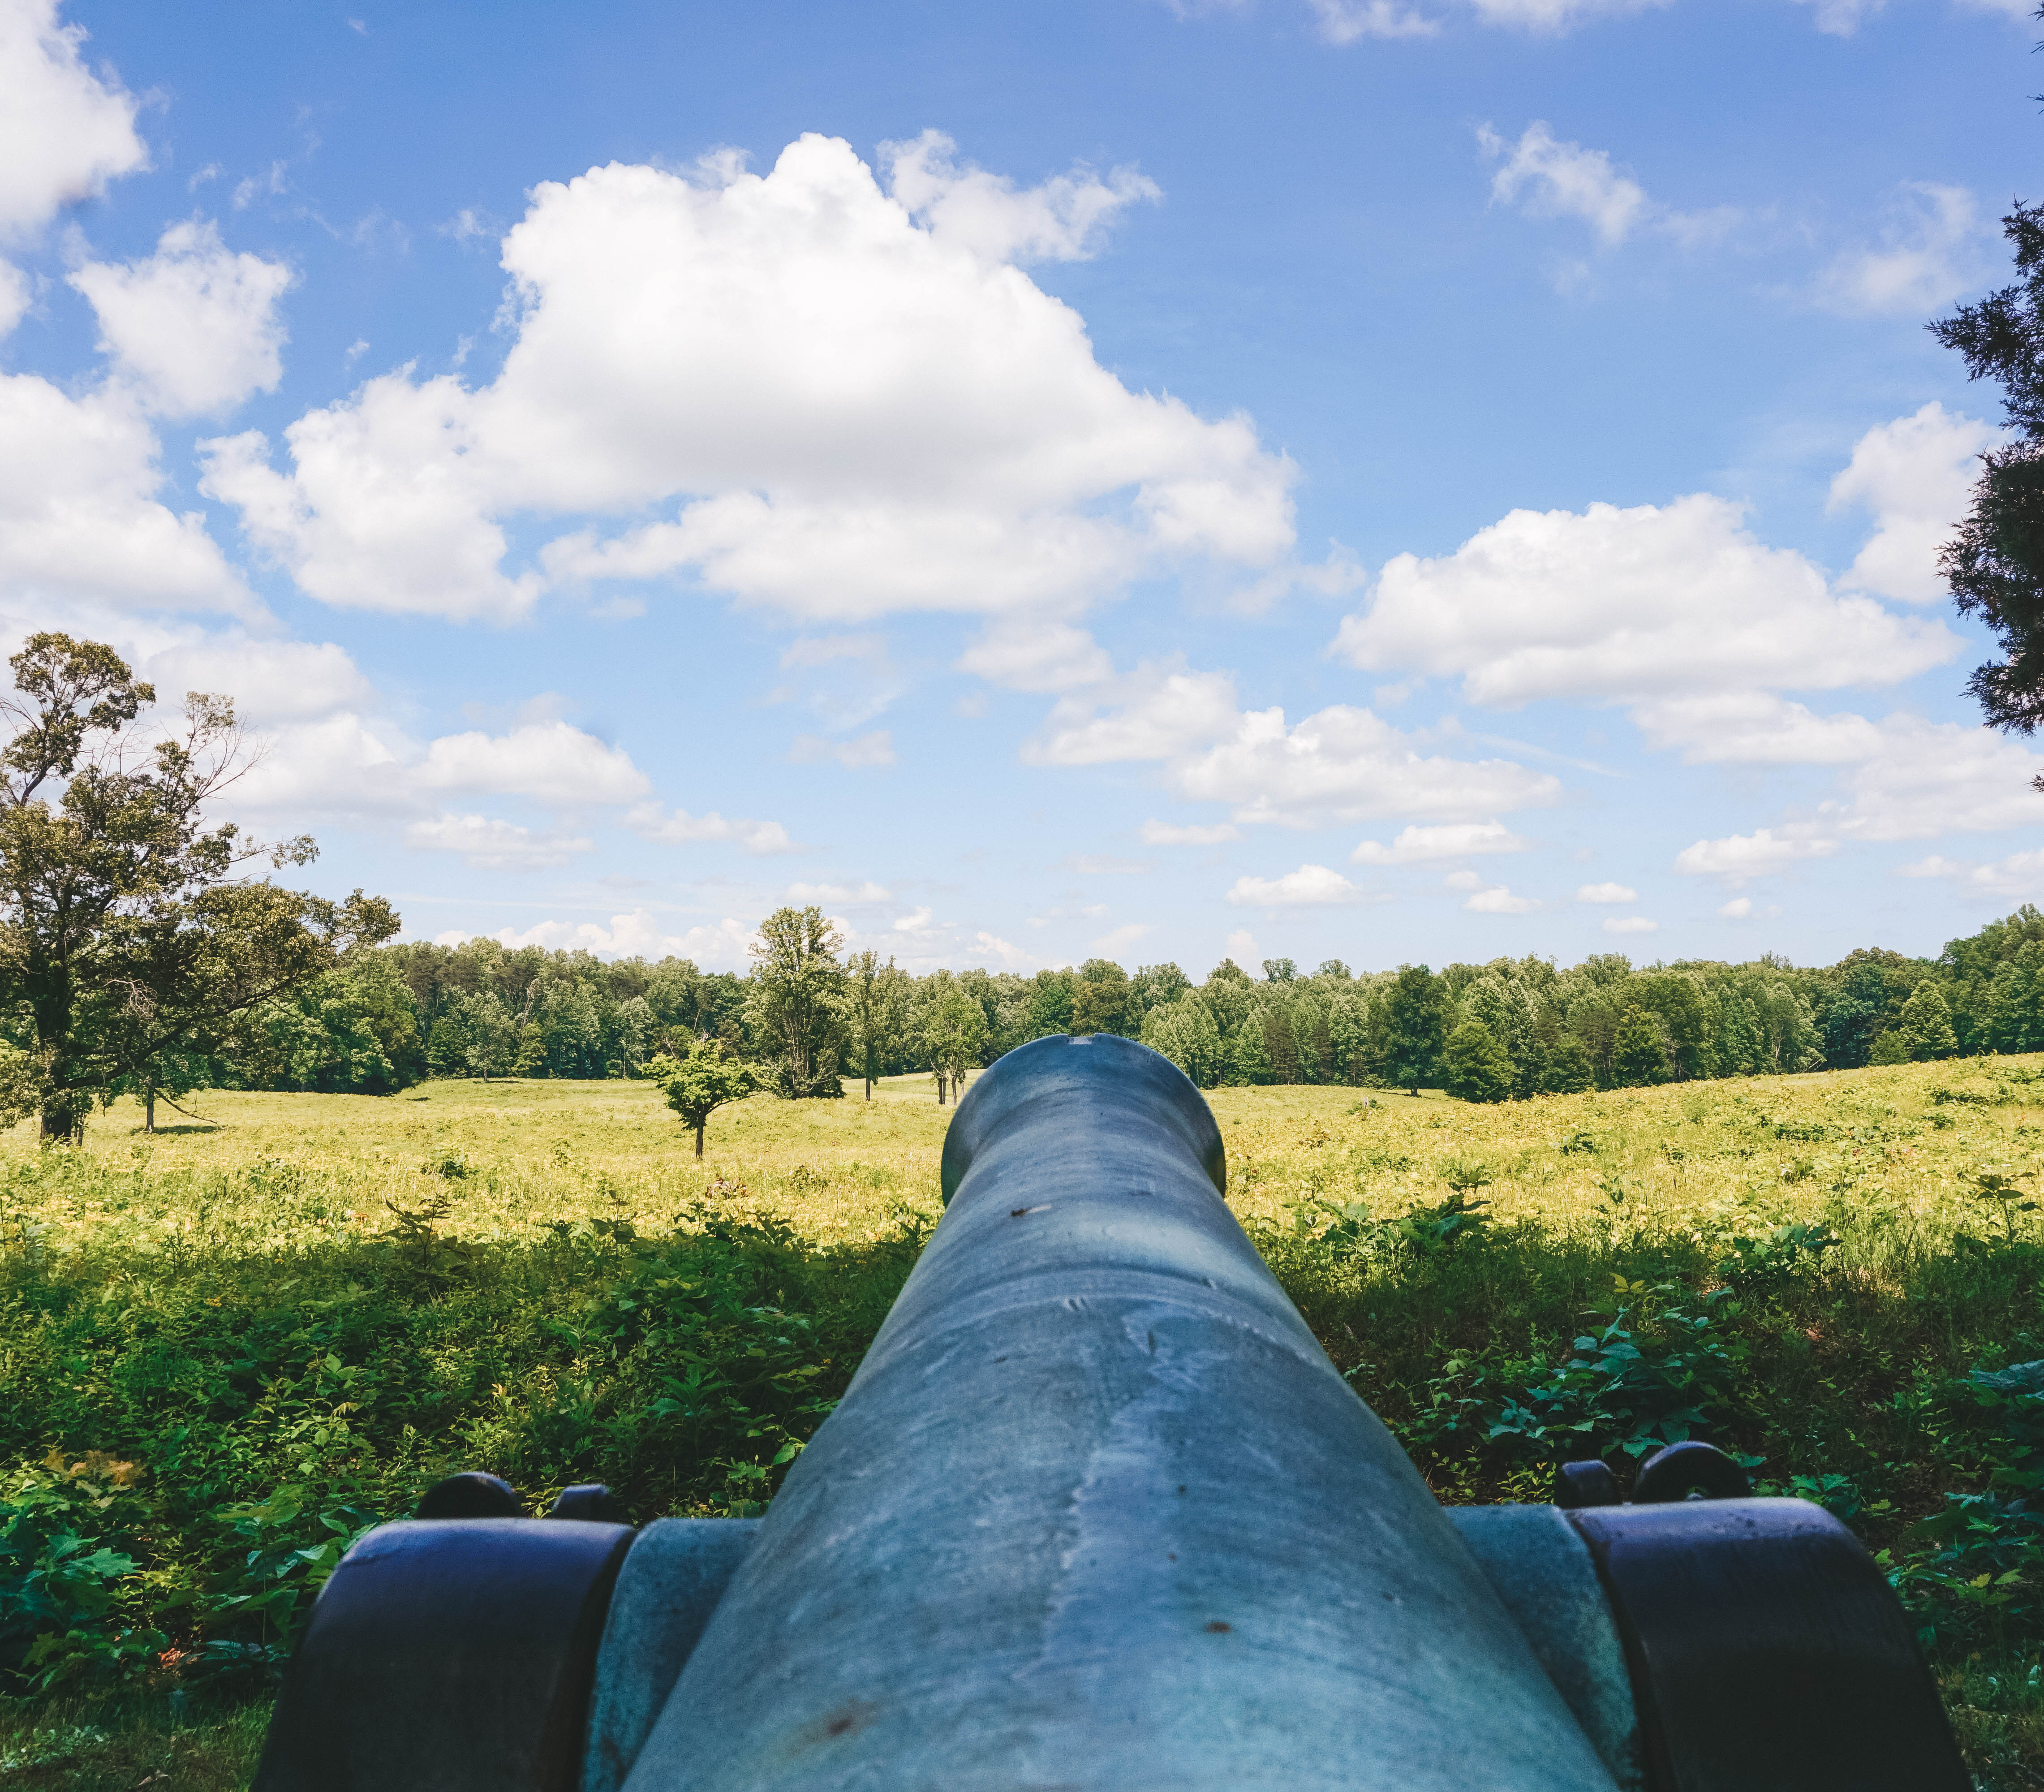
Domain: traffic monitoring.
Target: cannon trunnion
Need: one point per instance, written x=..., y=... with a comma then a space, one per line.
x=1097, y=1512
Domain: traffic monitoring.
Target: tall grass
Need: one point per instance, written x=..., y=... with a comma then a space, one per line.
x=226, y=1350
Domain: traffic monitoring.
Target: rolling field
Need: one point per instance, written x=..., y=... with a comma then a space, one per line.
x=1902, y=1143
x=225, y=1350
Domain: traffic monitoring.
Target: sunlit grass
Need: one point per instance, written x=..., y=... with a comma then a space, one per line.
x=531, y=1152
x=262, y=1190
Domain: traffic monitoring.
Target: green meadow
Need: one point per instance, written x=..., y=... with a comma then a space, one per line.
x=228, y=1348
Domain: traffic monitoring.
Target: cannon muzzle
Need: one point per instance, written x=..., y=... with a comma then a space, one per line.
x=1097, y=1512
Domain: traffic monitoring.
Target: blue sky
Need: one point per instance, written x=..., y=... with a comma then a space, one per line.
x=1328, y=478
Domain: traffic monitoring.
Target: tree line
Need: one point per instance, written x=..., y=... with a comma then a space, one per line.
x=807, y=1017
x=142, y=953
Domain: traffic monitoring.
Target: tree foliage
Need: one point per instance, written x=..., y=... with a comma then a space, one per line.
x=1474, y=1067
x=1995, y=564
x=798, y=997
x=1412, y=1028
x=876, y=1013
x=128, y=944
x=1639, y=1054
x=700, y=1080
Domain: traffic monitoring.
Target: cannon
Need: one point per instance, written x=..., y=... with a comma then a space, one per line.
x=1097, y=1511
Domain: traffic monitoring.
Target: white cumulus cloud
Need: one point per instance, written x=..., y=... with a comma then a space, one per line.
x=64, y=130
x=1916, y=475
x=678, y=826
x=1630, y=923
x=717, y=946
x=1029, y=655
x=490, y=843
x=1929, y=252
x=1498, y=900
x=1753, y=728
x=830, y=410
x=194, y=327
x=1338, y=764
x=1552, y=17
x=81, y=518
x=1916, y=780
x=1607, y=893
x=552, y=762
x=1550, y=178
x=1344, y=21
x=1738, y=857
x=1309, y=886
x=1653, y=601
x=1344, y=764
x=1061, y=220
x=1416, y=845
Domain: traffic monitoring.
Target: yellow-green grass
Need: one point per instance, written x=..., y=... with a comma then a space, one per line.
x=533, y=1152
x=1893, y=1156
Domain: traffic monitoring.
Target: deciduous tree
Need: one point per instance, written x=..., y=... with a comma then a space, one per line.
x=700, y=1081
x=876, y=1001
x=797, y=1000
x=1926, y=1023
x=1474, y=1067
x=126, y=933
x=953, y=1030
x=1639, y=1054
x=1413, y=1027
x=1569, y=1071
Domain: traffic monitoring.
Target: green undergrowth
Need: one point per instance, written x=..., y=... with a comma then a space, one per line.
x=195, y=1422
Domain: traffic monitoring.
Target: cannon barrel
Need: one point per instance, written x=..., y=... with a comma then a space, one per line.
x=1097, y=1512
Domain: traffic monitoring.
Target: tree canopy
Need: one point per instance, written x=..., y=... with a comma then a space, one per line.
x=700, y=1080
x=1995, y=564
x=127, y=939
x=798, y=995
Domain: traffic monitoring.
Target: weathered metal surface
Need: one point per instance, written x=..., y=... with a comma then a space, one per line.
x=669, y=1586
x=1767, y=1653
x=1542, y=1570
x=1097, y=1512
x=470, y=1494
x=453, y=1654
x=1693, y=1468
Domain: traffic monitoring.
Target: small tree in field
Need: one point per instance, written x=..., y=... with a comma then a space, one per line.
x=953, y=1033
x=700, y=1082
x=877, y=999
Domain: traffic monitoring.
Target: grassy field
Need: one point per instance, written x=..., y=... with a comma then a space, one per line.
x=225, y=1349
x=534, y=1152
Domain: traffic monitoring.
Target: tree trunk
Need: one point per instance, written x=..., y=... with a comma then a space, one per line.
x=940, y=1075
x=699, y=1133
x=868, y=1089
x=149, y=1110
x=62, y=1121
